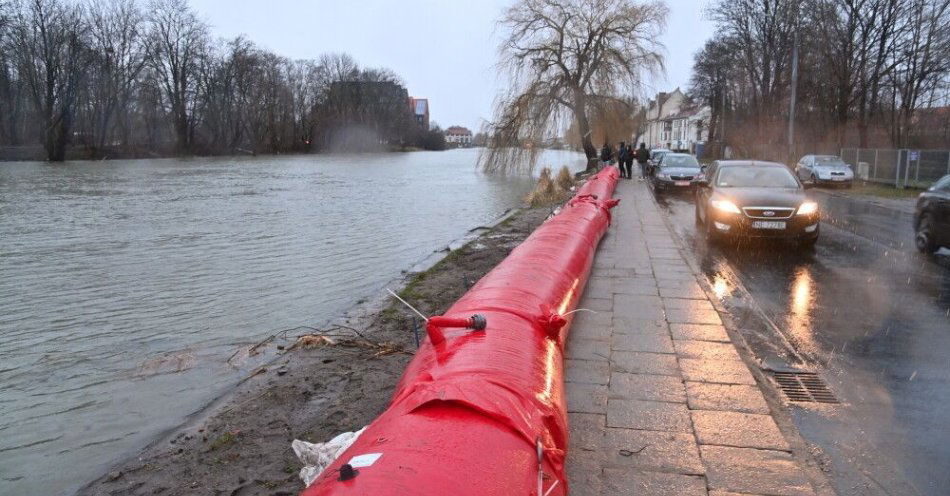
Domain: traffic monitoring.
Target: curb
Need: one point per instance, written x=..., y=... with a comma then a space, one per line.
x=779, y=408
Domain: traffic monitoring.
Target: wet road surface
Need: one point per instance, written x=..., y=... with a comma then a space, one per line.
x=870, y=316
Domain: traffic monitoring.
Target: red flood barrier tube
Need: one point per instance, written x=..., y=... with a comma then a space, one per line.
x=480, y=410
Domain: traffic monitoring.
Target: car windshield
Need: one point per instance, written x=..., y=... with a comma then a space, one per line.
x=830, y=161
x=679, y=161
x=756, y=177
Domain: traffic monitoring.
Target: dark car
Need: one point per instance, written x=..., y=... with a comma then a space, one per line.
x=932, y=217
x=755, y=199
x=675, y=170
x=656, y=155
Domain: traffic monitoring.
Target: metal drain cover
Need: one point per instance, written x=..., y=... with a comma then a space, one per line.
x=805, y=387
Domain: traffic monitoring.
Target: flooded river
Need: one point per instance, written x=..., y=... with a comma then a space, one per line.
x=126, y=285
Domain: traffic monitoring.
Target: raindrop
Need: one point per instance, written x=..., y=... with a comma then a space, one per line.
x=912, y=376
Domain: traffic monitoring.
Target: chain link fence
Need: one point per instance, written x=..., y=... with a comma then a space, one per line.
x=900, y=168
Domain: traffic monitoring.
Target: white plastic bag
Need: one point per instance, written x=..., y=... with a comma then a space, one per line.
x=317, y=456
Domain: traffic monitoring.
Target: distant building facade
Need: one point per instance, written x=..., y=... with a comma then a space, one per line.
x=672, y=123
x=420, y=109
x=458, y=136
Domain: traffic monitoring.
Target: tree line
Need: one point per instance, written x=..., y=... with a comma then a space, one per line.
x=121, y=78
x=871, y=73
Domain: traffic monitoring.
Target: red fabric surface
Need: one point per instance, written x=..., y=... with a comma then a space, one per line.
x=469, y=409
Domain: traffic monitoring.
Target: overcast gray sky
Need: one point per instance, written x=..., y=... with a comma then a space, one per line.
x=444, y=50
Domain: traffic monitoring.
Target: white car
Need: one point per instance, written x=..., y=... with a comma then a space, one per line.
x=824, y=169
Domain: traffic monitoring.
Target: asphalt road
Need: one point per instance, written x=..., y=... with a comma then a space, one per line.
x=870, y=316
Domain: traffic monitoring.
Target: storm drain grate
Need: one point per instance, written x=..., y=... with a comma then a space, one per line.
x=804, y=387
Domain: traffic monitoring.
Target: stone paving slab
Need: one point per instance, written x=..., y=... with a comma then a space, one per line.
x=699, y=332
x=638, y=362
x=653, y=342
x=718, y=371
x=588, y=349
x=648, y=415
x=647, y=387
x=626, y=483
x=587, y=398
x=659, y=400
x=754, y=471
x=586, y=371
x=725, y=397
x=652, y=450
x=742, y=430
x=706, y=349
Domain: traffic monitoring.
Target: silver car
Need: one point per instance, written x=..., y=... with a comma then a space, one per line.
x=824, y=169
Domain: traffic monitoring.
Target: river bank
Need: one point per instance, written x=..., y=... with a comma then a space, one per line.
x=323, y=382
x=127, y=285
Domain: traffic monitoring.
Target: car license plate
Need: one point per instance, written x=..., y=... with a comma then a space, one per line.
x=837, y=178
x=768, y=224
x=681, y=183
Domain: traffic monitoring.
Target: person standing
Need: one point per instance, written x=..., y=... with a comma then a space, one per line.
x=631, y=155
x=605, y=154
x=643, y=155
x=622, y=159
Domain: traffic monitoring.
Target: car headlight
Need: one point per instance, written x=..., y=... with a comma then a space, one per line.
x=726, y=206
x=807, y=208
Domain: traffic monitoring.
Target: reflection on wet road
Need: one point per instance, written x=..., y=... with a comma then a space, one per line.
x=871, y=316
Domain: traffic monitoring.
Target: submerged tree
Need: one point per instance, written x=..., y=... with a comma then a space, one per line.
x=565, y=59
x=48, y=42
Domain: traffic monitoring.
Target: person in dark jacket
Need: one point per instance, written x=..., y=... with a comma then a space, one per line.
x=631, y=156
x=643, y=155
x=622, y=159
x=605, y=154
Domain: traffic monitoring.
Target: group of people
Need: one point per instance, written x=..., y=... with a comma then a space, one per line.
x=625, y=154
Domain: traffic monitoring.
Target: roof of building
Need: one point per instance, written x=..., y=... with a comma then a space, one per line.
x=458, y=130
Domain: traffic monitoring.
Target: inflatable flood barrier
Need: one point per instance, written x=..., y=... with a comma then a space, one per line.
x=480, y=410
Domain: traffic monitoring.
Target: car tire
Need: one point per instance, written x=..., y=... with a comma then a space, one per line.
x=923, y=238
x=814, y=180
x=712, y=236
x=808, y=243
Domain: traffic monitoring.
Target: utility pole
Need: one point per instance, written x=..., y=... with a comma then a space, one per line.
x=791, y=105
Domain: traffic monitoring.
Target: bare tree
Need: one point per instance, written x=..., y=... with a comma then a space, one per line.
x=176, y=44
x=115, y=33
x=924, y=46
x=565, y=58
x=48, y=41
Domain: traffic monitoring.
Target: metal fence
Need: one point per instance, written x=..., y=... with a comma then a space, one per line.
x=901, y=168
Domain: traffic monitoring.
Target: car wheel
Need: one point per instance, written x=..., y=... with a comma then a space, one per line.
x=808, y=243
x=814, y=180
x=712, y=236
x=924, y=237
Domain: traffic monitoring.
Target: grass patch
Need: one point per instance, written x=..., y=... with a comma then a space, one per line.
x=223, y=440
x=883, y=191
x=547, y=192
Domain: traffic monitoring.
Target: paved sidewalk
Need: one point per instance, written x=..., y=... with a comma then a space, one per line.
x=659, y=400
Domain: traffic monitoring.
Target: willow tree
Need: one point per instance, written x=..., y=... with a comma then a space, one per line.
x=564, y=59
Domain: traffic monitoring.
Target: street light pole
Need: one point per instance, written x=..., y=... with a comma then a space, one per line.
x=791, y=105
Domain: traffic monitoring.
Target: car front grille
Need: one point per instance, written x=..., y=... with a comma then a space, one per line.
x=681, y=178
x=762, y=212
